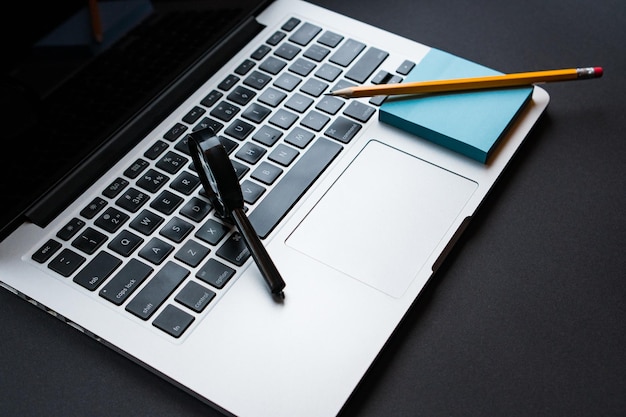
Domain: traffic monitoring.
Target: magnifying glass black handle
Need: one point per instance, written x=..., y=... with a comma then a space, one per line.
x=259, y=254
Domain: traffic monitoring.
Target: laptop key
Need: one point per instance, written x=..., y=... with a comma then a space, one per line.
x=125, y=282
x=89, y=240
x=66, y=263
x=195, y=296
x=46, y=251
x=173, y=320
x=346, y=53
x=366, y=65
x=156, y=291
x=97, y=271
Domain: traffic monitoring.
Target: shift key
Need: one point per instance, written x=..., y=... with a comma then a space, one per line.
x=155, y=292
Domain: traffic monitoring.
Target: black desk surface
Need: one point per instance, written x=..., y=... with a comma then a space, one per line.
x=528, y=315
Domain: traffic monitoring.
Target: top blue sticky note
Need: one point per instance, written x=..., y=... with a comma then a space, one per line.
x=468, y=122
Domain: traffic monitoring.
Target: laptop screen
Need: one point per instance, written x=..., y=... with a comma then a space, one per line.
x=56, y=117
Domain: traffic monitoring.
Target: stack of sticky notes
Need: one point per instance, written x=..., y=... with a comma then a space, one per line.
x=468, y=122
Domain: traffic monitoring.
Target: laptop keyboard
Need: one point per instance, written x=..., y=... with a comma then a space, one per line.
x=150, y=243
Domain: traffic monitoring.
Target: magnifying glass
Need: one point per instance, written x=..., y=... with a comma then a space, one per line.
x=221, y=185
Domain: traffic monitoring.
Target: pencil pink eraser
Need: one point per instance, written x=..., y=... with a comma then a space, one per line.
x=597, y=71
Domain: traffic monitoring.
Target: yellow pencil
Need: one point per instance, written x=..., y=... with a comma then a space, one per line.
x=473, y=83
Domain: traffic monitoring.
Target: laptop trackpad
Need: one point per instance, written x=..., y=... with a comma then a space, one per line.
x=383, y=217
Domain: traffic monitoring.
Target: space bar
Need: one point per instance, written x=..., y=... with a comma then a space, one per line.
x=293, y=185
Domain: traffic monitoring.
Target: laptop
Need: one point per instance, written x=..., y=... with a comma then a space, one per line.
x=109, y=229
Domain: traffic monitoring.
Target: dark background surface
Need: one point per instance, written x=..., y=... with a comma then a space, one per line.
x=527, y=317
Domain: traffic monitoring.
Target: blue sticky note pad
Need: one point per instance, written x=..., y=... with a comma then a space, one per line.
x=470, y=122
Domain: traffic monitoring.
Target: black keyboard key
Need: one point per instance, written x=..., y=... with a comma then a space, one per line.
x=115, y=188
x=331, y=39
x=195, y=296
x=166, y=202
x=204, y=123
x=193, y=115
x=266, y=173
x=46, y=251
x=359, y=111
x=210, y=99
x=346, y=53
x=172, y=162
x=405, y=67
x=366, y=65
x=173, y=321
x=89, y=240
x=244, y=67
x=283, y=119
x=314, y=87
x=125, y=282
x=293, y=185
x=251, y=191
x=185, y=183
x=152, y=180
x=287, y=81
x=302, y=67
x=239, y=129
x=156, y=149
x=146, y=222
x=250, y=153
x=276, y=38
x=192, y=253
x=290, y=24
x=66, y=262
x=272, y=97
x=267, y=135
x=315, y=120
x=316, y=52
x=132, y=200
x=156, y=250
x=93, y=208
x=175, y=132
x=328, y=72
x=136, y=168
x=176, y=229
x=196, y=209
x=125, y=243
x=343, y=129
x=111, y=220
x=330, y=105
x=256, y=113
x=241, y=95
x=299, y=103
x=156, y=291
x=212, y=231
x=228, y=82
x=70, y=229
x=234, y=250
x=97, y=271
x=215, y=273
x=283, y=155
x=305, y=34
x=287, y=51
x=257, y=80
x=260, y=52
x=225, y=111
x=299, y=137
x=272, y=65
x=240, y=169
